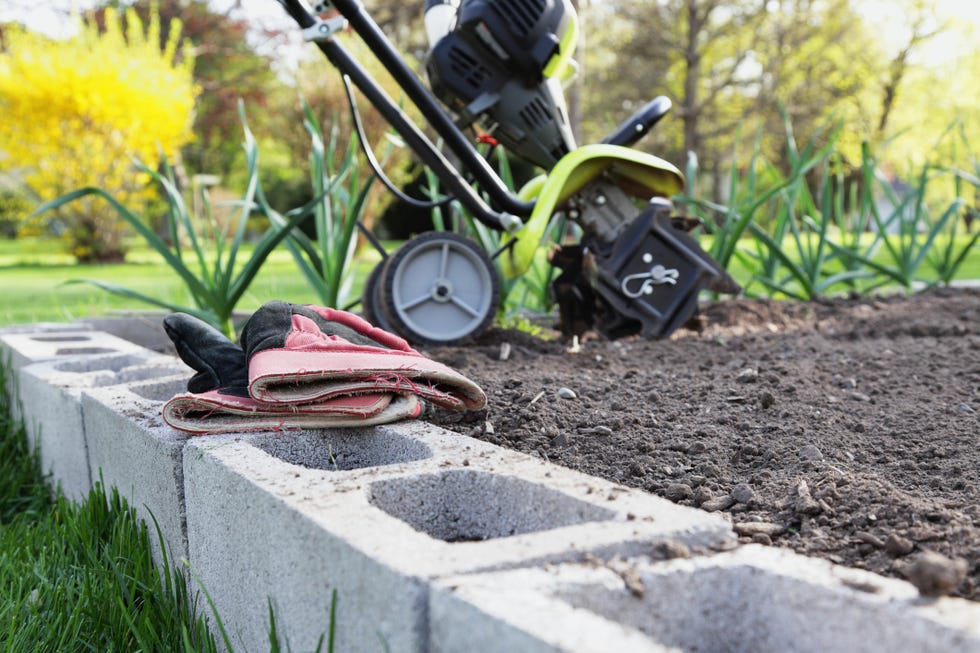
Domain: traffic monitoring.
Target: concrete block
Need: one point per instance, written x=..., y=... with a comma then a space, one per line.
x=753, y=599
x=376, y=514
x=131, y=448
x=43, y=327
x=145, y=328
x=45, y=344
x=50, y=405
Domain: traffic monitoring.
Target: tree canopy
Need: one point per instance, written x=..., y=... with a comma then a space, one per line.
x=77, y=112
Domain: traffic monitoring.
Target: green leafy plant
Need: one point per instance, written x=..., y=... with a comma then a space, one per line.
x=944, y=257
x=815, y=232
x=209, y=265
x=797, y=258
x=752, y=192
x=910, y=237
x=326, y=261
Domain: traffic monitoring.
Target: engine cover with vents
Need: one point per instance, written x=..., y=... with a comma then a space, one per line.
x=490, y=70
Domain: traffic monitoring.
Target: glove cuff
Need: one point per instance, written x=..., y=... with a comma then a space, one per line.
x=289, y=376
x=211, y=412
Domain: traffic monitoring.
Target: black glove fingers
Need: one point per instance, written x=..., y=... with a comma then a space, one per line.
x=220, y=363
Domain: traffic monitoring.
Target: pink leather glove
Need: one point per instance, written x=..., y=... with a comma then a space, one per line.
x=301, y=354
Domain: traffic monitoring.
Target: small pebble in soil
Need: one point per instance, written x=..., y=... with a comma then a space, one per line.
x=766, y=400
x=678, y=492
x=805, y=503
x=566, y=393
x=934, y=574
x=719, y=503
x=703, y=495
x=811, y=452
x=596, y=430
x=897, y=545
x=559, y=440
x=846, y=383
x=753, y=528
x=747, y=375
x=742, y=493
x=696, y=447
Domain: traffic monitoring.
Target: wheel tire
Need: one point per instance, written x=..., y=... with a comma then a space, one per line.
x=372, y=306
x=440, y=288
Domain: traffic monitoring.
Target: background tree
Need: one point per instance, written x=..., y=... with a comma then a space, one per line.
x=76, y=112
x=728, y=66
x=227, y=69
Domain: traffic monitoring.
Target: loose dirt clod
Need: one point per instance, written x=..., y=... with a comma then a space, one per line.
x=934, y=574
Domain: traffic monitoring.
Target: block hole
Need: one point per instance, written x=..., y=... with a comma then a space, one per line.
x=61, y=338
x=466, y=505
x=110, y=363
x=343, y=450
x=746, y=608
x=161, y=390
x=83, y=351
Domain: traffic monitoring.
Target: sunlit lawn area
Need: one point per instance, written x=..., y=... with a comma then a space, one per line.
x=33, y=272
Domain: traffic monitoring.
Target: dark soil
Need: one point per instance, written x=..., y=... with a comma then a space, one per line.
x=845, y=429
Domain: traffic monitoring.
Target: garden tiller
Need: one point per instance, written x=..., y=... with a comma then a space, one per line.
x=495, y=70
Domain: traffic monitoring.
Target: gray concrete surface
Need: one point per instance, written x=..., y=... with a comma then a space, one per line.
x=380, y=533
x=130, y=448
x=50, y=393
x=54, y=342
x=754, y=599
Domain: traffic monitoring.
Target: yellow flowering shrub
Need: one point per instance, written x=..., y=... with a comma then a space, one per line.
x=77, y=112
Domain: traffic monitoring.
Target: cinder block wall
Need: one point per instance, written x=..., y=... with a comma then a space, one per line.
x=424, y=540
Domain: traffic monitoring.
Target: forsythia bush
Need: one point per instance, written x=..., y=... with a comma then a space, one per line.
x=77, y=113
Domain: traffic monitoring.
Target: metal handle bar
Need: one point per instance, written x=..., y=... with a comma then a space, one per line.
x=636, y=126
x=372, y=35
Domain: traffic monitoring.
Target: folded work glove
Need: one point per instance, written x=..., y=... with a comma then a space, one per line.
x=217, y=400
x=301, y=354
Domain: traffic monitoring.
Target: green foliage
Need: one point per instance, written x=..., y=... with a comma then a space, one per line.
x=75, y=112
x=340, y=200
x=324, y=96
x=80, y=576
x=211, y=271
x=757, y=193
x=815, y=231
x=14, y=208
x=915, y=237
x=23, y=490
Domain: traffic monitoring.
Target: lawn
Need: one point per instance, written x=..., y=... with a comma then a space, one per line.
x=79, y=576
x=33, y=276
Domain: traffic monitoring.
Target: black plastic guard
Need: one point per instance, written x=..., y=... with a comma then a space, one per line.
x=650, y=277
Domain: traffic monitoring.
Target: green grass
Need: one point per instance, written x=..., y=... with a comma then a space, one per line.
x=968, y=271
x=79, y=576
x=33, y=277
